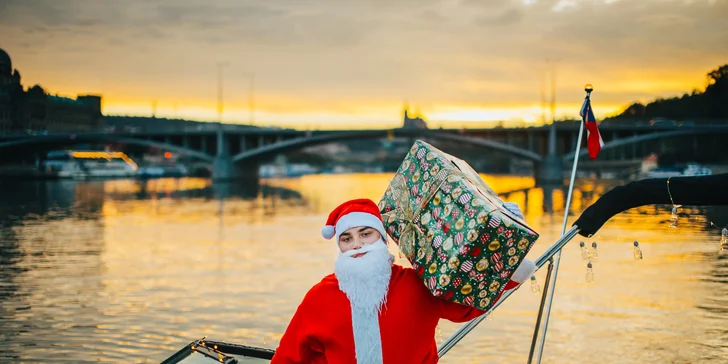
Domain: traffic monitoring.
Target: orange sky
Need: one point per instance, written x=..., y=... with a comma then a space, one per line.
x=354, y=64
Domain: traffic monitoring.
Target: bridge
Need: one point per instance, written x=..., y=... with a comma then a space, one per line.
x=236, y=152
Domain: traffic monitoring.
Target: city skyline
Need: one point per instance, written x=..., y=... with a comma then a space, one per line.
x=330, y=64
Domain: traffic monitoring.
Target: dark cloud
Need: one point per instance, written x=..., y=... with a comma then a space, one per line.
x=473, y=49
x=639, y=26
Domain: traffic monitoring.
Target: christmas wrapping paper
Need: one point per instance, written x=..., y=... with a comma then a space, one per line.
x=453, y=228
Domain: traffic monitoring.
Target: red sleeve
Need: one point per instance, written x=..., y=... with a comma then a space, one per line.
x=297, y=345
x=456, y=312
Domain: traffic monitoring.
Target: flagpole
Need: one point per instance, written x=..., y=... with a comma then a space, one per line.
x=552, y=283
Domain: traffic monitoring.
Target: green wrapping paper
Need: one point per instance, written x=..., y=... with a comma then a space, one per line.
x=453, y=228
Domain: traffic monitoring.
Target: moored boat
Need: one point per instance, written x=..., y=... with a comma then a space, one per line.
x=88, y=164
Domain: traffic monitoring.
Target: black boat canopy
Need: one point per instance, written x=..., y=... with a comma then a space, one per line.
x=686, y=191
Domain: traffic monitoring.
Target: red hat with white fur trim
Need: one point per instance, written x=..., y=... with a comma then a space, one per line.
x=353, y=213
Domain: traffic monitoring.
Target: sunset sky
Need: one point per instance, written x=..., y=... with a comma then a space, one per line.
x=338, y=63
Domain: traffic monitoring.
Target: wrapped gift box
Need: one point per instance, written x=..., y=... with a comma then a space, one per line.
x=453, y=228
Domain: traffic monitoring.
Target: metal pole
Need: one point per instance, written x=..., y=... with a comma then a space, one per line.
x=220, y=101
x=552, y=288
x=251, y=100
x=465, y=329
x=553, y=90
x=540, y=313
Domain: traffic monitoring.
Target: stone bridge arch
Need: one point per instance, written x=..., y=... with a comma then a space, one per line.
x=622, y=142
x=302, y=142
x=95, y=138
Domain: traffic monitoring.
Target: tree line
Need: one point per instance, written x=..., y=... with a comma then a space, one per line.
x=699, y=107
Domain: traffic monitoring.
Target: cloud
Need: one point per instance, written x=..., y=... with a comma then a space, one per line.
x=333, y=52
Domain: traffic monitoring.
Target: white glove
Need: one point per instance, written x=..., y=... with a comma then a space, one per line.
x=513, y=208
x=524, y=271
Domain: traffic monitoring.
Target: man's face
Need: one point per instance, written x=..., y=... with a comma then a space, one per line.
x=357, y=237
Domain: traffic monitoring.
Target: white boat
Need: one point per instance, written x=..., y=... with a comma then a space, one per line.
x=286, y=170
x=88, y=164
x=163, y=170
x=689, y=170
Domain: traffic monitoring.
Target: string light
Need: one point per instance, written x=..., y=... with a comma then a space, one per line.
x=723, y=237
x=673, y=215
x=212, y=352
x=584, y=251
x=593, y=254
x=589, y=273
x=535, y=288
x=636, y=251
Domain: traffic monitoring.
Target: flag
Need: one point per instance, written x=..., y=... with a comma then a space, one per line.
x=594, y=142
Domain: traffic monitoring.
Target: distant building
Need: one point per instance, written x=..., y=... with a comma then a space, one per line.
x=416, y=122
x=35, y=111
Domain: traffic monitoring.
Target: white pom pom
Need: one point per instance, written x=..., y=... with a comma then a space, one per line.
x=524, y=271
x=328, y=232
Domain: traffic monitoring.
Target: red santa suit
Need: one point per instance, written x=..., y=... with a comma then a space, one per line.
x=321, y=330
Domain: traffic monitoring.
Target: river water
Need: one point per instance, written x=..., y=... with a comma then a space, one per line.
x=131, y=271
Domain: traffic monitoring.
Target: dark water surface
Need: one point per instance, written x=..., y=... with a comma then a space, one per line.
x=126, y=271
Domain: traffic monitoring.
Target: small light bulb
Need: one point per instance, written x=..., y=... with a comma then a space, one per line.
x=674, y=217
x=584, y=251
x=589, y=273
x=636, y=251
x=593, y=254
x=535, y=288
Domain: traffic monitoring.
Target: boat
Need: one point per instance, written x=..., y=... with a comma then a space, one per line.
x=202, y=351
x=649, y=168
x=689, y=170
x=707, y=190
x=88, y=164
x=286, y=170
x=162, y=170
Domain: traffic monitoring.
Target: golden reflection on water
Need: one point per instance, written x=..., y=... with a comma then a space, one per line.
x=131, y=271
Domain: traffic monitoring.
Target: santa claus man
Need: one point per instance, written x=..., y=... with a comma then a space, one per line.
x=370, y=310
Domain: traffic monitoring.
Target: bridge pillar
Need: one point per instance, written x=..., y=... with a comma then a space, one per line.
x=551, y=170
x=203, y=143
x=531, y=146
x=223, y=167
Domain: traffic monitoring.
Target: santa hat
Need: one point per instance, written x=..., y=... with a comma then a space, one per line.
x=358, y=212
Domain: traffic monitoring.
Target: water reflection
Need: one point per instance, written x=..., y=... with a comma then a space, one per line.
x=130, y=271
x=715, y=302
x=10, y=255
x=52, y=238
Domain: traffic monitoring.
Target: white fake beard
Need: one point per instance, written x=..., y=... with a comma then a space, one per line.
x=365, y=281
